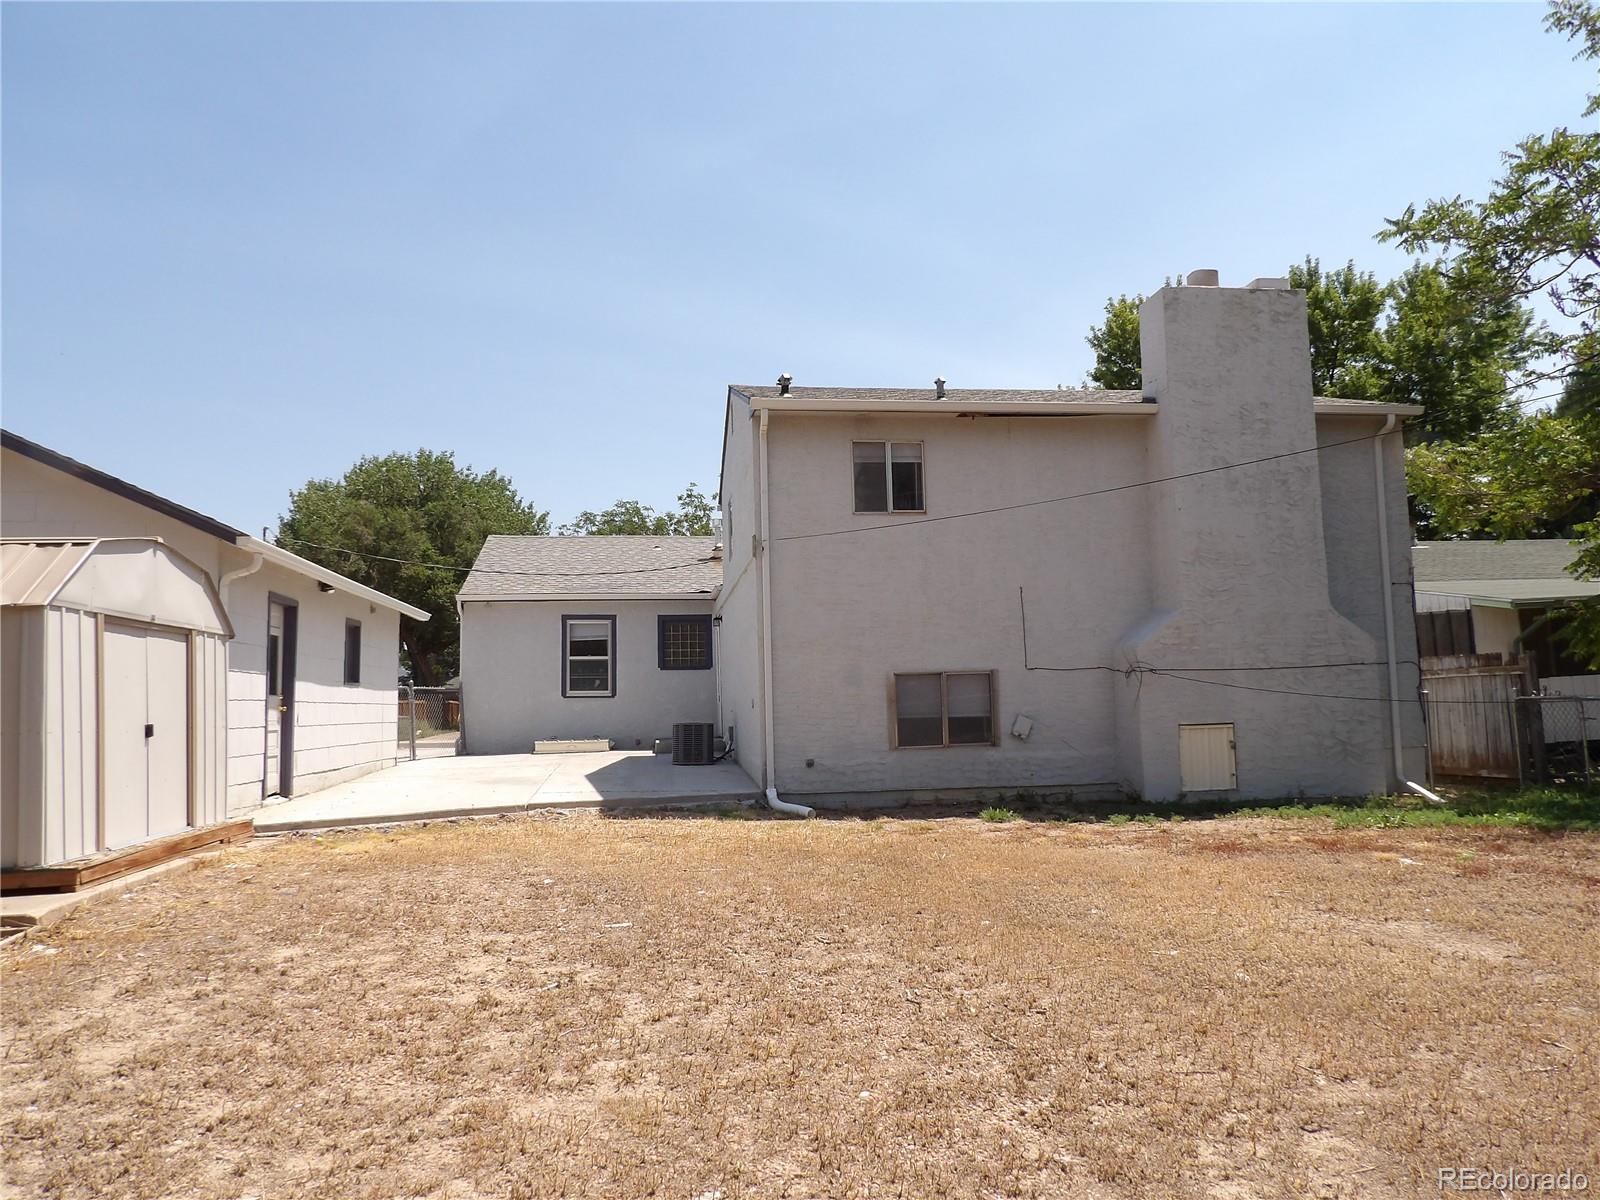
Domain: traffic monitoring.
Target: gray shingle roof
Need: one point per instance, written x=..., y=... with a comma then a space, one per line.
x=512, y=566
x=1528, y=558
x=956, y=397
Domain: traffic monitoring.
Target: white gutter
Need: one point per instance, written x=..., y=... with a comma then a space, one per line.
x=1388, y=613
x=338, y=582
x=957, y=408
x=768, y=773
x=256, y=560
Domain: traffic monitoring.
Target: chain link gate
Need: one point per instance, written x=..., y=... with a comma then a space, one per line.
x=430, y=722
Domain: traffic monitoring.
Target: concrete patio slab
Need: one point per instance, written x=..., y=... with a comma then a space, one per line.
x=483, y=785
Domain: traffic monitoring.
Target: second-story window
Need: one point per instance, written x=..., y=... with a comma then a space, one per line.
x=888, y=476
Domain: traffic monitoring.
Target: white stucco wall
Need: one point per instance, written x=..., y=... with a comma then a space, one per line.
x=851, y=611
x=739, y=603
x=511, y=665
x=1269, y=566
x=340, y=732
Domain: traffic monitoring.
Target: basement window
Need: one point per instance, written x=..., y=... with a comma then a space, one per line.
x=352, y=652
x=944, y=708
x=888, y=476
x=589, y=656
x=683, y=643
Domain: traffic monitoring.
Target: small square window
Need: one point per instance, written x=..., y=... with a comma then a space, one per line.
x=888, y=476
x=352, y=652
x=683, y=643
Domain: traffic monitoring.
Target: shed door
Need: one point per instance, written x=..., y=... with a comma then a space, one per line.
x=146, y=734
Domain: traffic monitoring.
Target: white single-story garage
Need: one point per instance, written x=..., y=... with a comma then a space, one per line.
x=115, y=694
x=587, y=637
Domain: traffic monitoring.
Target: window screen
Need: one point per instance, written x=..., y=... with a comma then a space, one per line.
x=589, y=645
x=888, y=476
x=683, y=643
x=969, y=703
x=352, y=651
x=948, y=708
x=919, y=710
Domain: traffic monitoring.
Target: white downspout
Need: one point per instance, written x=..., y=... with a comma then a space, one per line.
x=228, y=577
x=1388, y=613
x=768, y=773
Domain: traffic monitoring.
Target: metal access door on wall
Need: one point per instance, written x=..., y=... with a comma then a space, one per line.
x=278, y=767
x=1206, y=760
x=146, y=713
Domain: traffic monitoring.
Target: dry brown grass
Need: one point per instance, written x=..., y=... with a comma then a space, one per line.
x=575, y=1006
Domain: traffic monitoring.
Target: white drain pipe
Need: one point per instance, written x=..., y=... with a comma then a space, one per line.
x=768, y=771
x=1388, y=614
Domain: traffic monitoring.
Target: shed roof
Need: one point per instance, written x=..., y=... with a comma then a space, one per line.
x=140, y=579
x=1524, y=571
x=513, y=567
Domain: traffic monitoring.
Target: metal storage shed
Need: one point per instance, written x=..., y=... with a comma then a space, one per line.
x=113, y=713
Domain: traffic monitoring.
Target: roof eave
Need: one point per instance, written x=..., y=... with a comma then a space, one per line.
x=484, y=598
x=338, y=582
x=955, y=408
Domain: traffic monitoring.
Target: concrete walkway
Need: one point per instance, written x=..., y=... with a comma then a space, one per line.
x=479, y=785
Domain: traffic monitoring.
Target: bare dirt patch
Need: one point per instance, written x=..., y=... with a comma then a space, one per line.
x=577, y=1006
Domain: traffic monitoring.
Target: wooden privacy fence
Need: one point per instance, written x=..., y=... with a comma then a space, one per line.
x=1471, y=706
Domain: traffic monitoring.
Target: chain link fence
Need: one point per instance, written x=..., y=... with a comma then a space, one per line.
x=429, y=725
x=1561, y=739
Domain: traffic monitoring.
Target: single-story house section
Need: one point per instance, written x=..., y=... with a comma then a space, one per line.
x=1197, y=589
x=1503, y=598
x=571, y=638
x=313, y=663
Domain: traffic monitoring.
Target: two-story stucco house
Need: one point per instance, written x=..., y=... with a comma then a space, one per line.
x=1202, y=587
x=309, y=683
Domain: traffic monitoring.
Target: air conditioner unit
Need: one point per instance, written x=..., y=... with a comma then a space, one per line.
x=691, y=744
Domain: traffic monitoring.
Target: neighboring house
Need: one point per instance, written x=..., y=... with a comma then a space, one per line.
x=587, y=637
x=1503, y=598
x=1228, y=632
x=314, y=657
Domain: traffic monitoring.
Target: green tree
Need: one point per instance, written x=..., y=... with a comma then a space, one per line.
x=1536, y=233
x=1342, y=311
x=1454, y=347
x=692, y=516
x=1115, y=343
x=418, y=507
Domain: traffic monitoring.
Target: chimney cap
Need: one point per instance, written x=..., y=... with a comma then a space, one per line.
x=1205, y=277
x=938, y=387
x=783, y=384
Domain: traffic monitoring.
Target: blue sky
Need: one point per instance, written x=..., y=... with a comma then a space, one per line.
x=245, y=245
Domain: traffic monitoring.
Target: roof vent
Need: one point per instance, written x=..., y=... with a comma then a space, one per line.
x=716, y=552
x=938, y=388
x=1202, y=278
x=783, y=384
